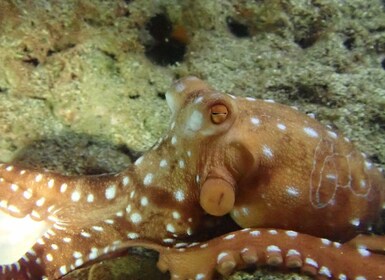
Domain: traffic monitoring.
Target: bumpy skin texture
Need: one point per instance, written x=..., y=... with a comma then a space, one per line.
x=264, y=164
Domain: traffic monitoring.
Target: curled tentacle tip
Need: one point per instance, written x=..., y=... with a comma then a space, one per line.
x=217, y=197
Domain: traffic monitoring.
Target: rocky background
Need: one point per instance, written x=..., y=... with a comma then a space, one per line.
x=82, y=83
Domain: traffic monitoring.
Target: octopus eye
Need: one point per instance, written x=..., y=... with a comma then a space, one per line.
x=219, y=113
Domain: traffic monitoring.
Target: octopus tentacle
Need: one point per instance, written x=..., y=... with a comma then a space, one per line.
x=373, y=243
x=48, y=195
x=92, y=217
x=281, y=249
x=21, y=192
x=58, y=252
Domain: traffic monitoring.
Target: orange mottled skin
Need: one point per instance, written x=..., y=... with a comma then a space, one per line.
x=263, y=164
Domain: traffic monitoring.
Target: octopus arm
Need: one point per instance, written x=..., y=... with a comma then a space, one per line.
x=44, y=202
x=374, y=243
x=49, y=196
x=60, y=251
x=281, y=249
x=35, y=193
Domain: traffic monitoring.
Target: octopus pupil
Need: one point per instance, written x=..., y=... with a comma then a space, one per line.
x=219, y=113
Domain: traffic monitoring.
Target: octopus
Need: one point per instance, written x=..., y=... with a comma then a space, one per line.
x=300, y=195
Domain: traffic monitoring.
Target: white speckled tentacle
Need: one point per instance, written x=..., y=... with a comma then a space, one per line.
x=50, y=204
x=50, y=196
x=58, y=252
x=87, y=217
x=281, y=249
x=18, y=198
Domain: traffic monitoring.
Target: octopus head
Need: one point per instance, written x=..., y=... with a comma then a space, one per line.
x=204, y=120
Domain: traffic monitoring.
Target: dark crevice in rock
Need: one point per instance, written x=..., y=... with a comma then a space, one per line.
x=169, y=42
